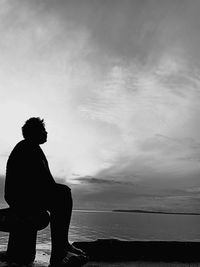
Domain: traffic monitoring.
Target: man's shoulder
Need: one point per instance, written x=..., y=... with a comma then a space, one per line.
x=19, y=151
x=22, y=147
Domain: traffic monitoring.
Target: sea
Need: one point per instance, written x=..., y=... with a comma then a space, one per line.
x=87, y=225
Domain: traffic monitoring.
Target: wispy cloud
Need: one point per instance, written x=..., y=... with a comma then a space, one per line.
x=101, y=181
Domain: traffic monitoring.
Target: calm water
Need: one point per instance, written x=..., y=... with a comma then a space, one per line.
x=91, y=225
x=134, y=226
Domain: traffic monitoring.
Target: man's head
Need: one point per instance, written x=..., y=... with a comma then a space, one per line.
x=34, y=130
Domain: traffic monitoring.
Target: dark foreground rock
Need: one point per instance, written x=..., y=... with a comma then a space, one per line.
x=116, y=253
x=116, y=250
x=42, y=260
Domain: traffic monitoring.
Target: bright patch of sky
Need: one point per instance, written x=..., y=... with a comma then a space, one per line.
x=117, y=83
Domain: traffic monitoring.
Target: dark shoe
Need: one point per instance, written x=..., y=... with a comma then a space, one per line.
x=75, y=250
x=70, y=260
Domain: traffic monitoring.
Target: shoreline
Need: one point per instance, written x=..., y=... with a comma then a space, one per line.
x=137, y=211
x=156, y=212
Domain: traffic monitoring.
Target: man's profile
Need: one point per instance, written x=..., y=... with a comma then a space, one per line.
x=30, y=189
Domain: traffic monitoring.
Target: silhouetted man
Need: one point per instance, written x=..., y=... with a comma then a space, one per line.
x=30, y=190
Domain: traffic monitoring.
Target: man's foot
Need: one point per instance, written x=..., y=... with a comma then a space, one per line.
x=70, y=260
x=75, y=250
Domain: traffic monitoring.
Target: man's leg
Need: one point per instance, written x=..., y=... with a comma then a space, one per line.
x=22, y=245
x=60, y=208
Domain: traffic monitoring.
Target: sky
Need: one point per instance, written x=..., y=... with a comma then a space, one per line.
x=118, y=85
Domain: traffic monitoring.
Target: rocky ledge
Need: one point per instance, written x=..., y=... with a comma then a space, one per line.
x=117, y=250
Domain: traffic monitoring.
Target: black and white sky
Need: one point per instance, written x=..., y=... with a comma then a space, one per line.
x=118, y=84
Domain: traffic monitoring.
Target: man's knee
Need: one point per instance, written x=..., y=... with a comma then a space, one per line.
x=61, y=197
x=63, y=188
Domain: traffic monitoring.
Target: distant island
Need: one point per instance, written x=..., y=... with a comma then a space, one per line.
x=157, y=212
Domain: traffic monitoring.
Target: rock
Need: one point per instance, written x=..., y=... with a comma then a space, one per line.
x=116, y=250
x=42, y=260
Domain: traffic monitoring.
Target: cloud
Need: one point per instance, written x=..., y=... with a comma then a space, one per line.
x=154, y=196
x=195, y=190
x=96, y=181
x=145, y=107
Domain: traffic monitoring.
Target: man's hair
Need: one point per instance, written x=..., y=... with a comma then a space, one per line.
x=31, y=126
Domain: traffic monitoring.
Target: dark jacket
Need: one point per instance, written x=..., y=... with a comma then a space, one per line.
x=29, y=183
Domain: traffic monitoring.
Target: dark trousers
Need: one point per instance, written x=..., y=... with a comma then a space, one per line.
x=22, y=240
x=60, y=208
